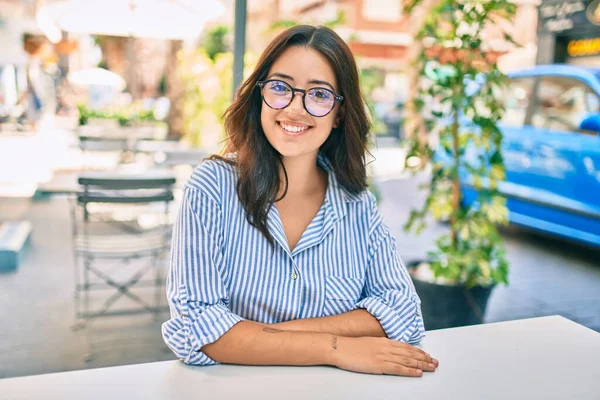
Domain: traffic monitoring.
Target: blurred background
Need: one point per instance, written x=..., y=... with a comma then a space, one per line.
x=97, y=98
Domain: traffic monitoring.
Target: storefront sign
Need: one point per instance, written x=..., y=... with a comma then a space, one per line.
x=564, y=16
x=593, y=12
x=584, y=47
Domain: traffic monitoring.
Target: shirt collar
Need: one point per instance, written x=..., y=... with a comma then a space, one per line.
x=337, y=195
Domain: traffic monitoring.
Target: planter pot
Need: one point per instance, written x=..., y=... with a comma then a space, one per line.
x=97, y=126
x=449, y=306
x=155, y=130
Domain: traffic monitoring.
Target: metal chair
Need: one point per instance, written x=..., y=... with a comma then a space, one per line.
x=97, y=143
x=101, y=241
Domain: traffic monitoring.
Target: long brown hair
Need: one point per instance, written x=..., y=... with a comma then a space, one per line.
x=258, y=163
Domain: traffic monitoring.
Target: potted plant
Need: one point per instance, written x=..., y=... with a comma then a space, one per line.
x=458, y=98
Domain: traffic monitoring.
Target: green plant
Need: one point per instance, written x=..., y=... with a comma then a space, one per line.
x=215, y=41
x=125, y=116
x=123, y=119
x=83, y=114
x=370, y=79
x=162, y=85
x=207, y=93
x=340, y=19
x=453, y=60
x=146, y=116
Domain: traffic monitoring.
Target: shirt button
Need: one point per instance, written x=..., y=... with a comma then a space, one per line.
x=294, y=276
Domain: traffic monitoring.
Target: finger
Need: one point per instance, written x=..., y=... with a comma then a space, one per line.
x=412, y=363
x=408, y=347
x=425, y=366
x=390, y=368
x=428, y=358
x=413, y=354
x=425, y=357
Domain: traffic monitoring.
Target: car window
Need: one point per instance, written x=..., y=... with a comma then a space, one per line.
x=562, y=103
x=517, y=97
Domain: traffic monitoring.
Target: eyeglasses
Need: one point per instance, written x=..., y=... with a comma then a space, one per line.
x=317, y=101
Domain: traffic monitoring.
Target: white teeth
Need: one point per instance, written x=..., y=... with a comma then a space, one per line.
x=294, y=129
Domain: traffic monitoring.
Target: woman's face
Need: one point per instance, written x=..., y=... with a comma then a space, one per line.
x=292, y=131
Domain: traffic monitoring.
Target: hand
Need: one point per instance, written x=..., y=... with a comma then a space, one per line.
x=380, y=356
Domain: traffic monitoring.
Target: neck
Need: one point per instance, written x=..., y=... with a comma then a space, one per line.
x=304, y=176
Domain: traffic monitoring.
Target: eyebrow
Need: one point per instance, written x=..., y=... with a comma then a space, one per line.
x=312, y=81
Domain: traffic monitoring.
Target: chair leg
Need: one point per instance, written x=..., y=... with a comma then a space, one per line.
x=87, y=356
x=82, y=310
x=77, y=324
x=86, y=288
x=77, y=265
x=85, y=319
x=122, y=289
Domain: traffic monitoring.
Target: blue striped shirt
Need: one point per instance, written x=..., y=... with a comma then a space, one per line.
x=223, y=270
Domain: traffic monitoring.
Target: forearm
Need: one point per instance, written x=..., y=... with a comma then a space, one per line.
x=356, y=323
x=251, y=343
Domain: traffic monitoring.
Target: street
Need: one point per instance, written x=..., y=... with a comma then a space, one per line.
x=547, y=276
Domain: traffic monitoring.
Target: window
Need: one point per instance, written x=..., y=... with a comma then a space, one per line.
x=517, y=97
x=382, y=10
x=562, y=103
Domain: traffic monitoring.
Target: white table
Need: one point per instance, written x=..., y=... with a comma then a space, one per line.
x=541, y=358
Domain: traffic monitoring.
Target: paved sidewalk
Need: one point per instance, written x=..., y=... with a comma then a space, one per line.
x=548, y=276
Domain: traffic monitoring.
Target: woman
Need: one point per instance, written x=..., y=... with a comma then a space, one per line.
x=279, y=254
x=33, y=109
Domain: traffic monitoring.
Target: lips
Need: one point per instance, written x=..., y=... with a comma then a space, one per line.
x=293, y=129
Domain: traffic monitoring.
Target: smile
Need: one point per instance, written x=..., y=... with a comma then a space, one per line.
x=293, y=129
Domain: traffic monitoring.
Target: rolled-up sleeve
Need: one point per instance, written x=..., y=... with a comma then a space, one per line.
x=389, y=294
x=197, y=297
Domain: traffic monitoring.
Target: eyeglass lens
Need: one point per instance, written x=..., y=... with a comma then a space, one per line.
x=318, y=101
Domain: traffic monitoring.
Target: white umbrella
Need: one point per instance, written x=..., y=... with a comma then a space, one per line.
x=160, y=19
x=97, y=77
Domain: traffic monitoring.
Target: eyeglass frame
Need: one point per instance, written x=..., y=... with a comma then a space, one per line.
x=336, y=98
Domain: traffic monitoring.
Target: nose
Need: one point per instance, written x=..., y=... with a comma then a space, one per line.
x=296, y=105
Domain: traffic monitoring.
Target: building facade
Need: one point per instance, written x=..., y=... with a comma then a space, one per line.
x=381, y=35
x=379, y=32
x=569, y=32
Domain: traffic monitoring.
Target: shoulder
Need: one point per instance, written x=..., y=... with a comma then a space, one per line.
x=214, y=178
x=363, y=202
x=368, y=199
x=364, y=208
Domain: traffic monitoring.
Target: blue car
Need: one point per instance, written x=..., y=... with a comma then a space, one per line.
x=551, y=150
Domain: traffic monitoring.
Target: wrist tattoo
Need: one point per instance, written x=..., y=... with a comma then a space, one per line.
x=272, y=330
x=334, y=342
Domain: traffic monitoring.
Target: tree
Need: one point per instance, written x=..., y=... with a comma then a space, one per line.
x=215, y=41
x=458, y=80
x=175, y=90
